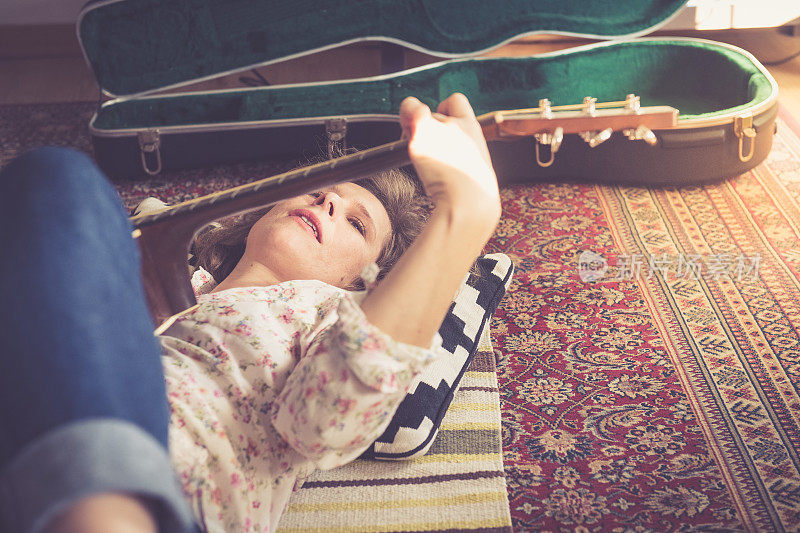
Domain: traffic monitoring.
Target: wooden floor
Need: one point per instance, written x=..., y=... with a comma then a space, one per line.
x=45, y=64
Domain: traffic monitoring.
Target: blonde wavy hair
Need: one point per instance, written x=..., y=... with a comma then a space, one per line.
x=220, y=246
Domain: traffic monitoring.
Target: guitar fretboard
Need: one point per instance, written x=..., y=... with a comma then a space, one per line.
x=293, y=183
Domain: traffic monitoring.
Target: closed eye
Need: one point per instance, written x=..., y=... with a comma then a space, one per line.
x=356, y=223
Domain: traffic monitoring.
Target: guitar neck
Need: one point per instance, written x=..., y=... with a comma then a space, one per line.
x=164, y=236
x=205, y=209
x=500, y=125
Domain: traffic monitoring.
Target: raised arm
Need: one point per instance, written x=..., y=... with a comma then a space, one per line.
x=341, y=395
x=450, y=156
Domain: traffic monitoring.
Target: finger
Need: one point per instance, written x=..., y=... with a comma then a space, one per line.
x=411, y=112
x=456, y=105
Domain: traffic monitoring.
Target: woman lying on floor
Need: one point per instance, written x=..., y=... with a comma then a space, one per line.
x=279, y=370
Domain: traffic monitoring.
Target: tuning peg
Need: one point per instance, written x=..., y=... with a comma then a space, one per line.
x=553, y=139
x=642, y=133
x=633, y=103
x=595, y=138
x=590, y=106
x=545, y=109
x=558, y=136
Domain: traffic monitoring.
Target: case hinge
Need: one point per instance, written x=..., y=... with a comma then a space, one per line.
x=336, y=132
x=150, y=143
x=743, y=128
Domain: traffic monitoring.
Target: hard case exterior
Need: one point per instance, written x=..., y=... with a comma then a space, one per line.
x=705, y=146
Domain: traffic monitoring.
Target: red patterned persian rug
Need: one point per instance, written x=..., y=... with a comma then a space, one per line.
x=649, y=359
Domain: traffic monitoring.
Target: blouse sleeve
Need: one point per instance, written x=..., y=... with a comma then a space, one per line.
x=342, y=394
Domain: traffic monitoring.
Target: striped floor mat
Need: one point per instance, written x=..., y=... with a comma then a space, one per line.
x=458, y=486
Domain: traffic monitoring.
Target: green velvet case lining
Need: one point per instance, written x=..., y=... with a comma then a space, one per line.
x=701, y=79
x=142, y=45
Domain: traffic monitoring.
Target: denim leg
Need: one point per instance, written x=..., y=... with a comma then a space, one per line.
x=82, y=392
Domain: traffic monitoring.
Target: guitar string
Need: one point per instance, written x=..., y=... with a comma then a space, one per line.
x=252, y=188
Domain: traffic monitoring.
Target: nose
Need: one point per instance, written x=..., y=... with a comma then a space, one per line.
x=330, y=202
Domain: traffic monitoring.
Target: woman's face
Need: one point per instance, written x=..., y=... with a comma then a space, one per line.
x=330, y=235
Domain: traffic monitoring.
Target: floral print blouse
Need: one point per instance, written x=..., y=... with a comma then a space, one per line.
x=267, y=383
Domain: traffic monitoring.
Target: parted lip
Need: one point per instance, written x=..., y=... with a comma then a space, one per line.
x=310, y=217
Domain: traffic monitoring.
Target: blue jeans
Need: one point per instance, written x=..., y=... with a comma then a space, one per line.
x=83, y=406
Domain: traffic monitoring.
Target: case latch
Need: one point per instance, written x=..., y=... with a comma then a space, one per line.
x=336, y=131
x=150, y=142
x=743, y=128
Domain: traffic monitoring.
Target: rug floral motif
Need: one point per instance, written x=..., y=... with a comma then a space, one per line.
x=649, y=354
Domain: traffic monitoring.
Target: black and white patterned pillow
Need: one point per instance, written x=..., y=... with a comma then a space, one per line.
x=415, y=424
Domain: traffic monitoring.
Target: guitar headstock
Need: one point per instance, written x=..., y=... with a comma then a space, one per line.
x=594, y=122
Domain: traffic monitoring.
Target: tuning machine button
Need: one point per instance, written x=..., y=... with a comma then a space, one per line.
x=641, y=133
x=595, y=138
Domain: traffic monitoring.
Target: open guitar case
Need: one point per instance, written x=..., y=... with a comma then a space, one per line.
x=726, y=98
